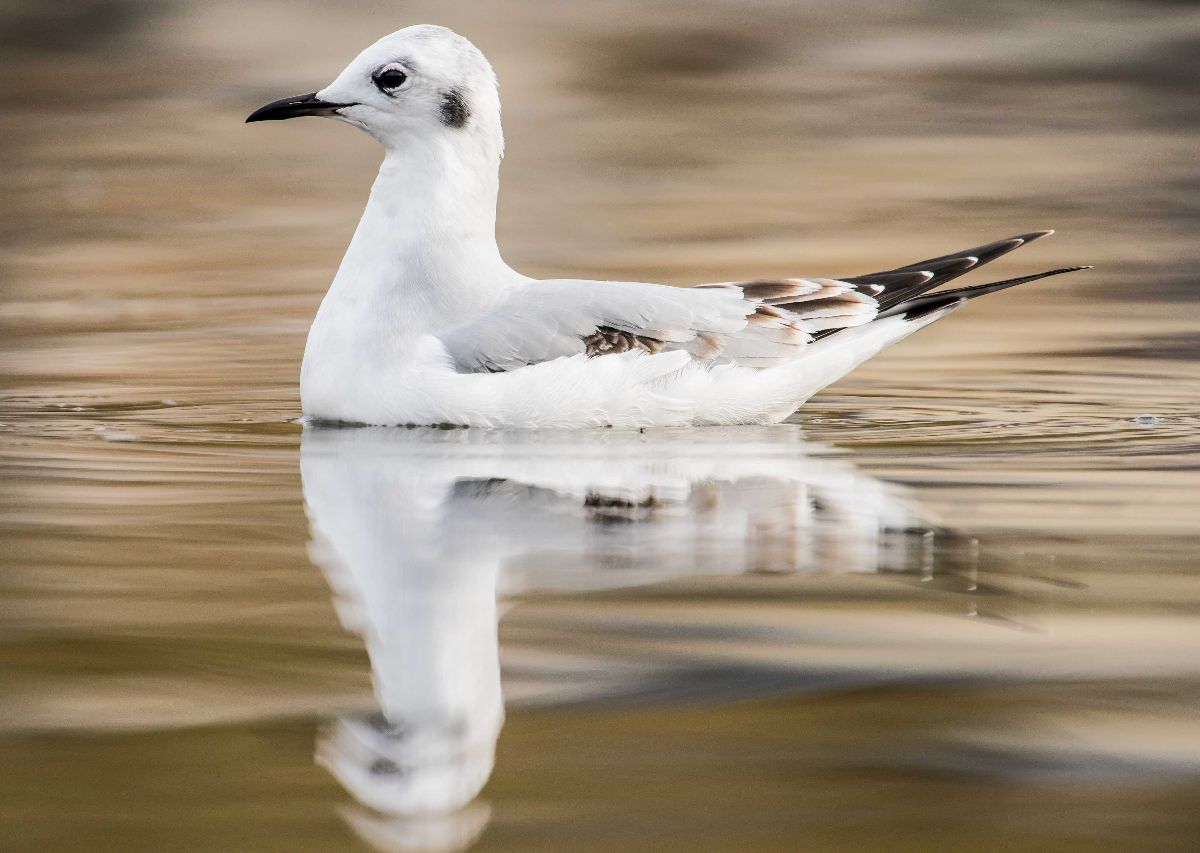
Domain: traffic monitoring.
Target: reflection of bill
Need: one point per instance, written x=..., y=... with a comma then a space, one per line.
x=419, y=532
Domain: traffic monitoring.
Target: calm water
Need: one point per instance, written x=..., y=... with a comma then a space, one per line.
x=954, y=605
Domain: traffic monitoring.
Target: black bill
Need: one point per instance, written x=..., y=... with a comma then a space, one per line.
x=297, y=105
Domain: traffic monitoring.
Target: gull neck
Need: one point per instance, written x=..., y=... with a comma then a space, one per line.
x=425, y=249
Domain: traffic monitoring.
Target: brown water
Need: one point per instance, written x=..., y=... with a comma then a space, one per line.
x=954, y=605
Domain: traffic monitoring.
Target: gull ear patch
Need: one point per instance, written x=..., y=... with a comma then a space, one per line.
x=454, y=110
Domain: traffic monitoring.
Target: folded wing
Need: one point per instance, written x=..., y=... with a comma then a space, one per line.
x=544, y=320
x=753, y=323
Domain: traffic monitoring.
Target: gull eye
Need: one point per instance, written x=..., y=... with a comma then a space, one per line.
x=390, y=79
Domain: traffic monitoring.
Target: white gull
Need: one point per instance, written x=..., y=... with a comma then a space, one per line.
x=426, y=324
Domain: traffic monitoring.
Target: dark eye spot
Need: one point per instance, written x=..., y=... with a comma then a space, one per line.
x=454, y=110
x=390, y=79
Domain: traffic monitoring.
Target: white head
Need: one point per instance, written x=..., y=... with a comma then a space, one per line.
x=420, y=85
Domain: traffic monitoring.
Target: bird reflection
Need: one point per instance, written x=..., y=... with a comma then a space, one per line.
x=424, y=533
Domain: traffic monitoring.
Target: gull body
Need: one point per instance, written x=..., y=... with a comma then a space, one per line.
x=425, y=323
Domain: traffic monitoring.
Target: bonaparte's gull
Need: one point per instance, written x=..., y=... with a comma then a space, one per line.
x=426, y=324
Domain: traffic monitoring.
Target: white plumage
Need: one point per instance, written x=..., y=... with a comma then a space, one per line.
x=426, y=324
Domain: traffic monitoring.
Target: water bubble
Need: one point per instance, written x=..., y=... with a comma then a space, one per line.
x=1147, y=420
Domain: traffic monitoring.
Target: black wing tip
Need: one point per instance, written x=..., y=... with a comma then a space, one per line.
x=988, y=251
x=905, y=291
x=1022, y=239
x=953, y=266
x=924, y=306
x=1026, y=278
x=949, y=267
x=993, y=286
x=921, y=305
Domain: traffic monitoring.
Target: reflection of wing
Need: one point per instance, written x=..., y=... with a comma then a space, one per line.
x=723, y=501
x=419, y=531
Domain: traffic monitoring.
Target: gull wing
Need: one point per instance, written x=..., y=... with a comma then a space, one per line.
x=543, y=320
x=906, y=290
x=757, y=323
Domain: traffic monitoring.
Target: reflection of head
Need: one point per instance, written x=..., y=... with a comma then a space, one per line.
x=424, y=833
x=400, y=769
x=424, y=600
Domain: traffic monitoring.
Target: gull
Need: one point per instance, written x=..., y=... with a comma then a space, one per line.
x=425, y=324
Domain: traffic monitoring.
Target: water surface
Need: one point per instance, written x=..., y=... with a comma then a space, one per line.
x=953, y=604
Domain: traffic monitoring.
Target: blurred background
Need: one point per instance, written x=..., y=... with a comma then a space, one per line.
x=979, y=629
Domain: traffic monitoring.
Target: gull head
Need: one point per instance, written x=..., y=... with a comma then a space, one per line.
x=419, y=84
